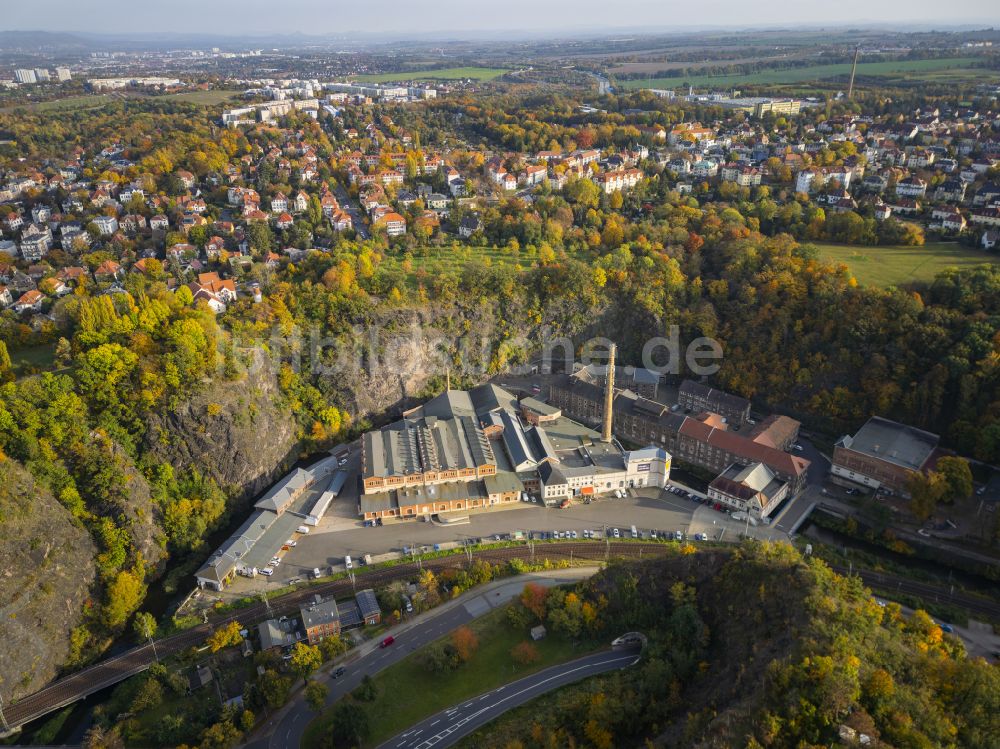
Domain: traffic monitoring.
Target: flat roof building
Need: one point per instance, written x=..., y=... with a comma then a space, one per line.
x=883, y=453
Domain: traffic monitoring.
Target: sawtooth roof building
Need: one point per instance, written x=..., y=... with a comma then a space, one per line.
x=466, y=450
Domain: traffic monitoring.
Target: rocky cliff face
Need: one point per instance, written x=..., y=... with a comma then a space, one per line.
x=46, y=569
x=232, y=431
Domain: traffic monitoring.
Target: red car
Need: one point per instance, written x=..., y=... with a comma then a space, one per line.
x=387, y=642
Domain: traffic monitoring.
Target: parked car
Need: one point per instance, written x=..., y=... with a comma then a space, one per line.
x=302, y=529
x=291, y=542
x=316, y=573
x=797, y=447
x=387, y=641
x=616, y=533
x=339, y=672
x=266, y=571
x=947, y=628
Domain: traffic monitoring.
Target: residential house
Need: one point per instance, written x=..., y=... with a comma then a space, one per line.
x=911, y=187
x=470, y=225
x=30, y=301
x=54, y=287
x=279, y=203
x=109, y=270
x=951, y=190
x=320, y=619
x=982, y=217
x=371, y=612
x=395, y=225
x=106, y=225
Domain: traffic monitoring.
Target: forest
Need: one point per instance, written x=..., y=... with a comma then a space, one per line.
x=758, y=648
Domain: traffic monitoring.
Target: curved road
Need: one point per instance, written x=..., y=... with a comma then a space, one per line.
x=82, y=683
x=447, y=727
x=285, y=729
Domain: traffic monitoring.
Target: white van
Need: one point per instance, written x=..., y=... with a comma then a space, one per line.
x=635, y=533
x=316, y=573
x=302, y=529
x=347, y=563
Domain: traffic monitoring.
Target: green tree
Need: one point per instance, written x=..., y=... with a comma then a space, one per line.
x=316, y=695
x=144, y=626
x=957, y=478
x=925, y=490
x=367, y=690
x=260, y=237
x=274, y=688
x=5, y=365
x=332, y=646
x=349, y=726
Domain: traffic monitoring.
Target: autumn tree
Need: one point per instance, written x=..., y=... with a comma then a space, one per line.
x=123, y=597
x=305, y=660
x=465, y=642
x=533, y=598
x=525, y=653
x=225, y=636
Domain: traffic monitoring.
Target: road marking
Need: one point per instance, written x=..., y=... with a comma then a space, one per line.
x=436, y=722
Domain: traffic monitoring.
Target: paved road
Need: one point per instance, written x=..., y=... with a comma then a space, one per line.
x=335, y=537
x=449, y=726
x=352, y=208
x=287, y=726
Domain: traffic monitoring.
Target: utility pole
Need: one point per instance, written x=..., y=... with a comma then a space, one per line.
x=854, y=69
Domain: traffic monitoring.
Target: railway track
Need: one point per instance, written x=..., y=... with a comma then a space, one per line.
x=101, y=675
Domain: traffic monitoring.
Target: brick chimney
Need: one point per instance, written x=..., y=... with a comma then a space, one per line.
x=609, y=396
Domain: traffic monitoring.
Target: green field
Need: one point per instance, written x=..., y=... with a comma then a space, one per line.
x=440, y=260
x=910, y=69
x=206, y=98
x=445, y=74
x=403, y=694
x=82, y=101
x=92, y=101
x=896, y=266
x=33, y=359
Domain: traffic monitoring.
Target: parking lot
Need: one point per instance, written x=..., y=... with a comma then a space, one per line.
x=648, y=509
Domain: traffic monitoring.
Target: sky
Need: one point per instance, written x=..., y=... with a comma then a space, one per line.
x=549, y=17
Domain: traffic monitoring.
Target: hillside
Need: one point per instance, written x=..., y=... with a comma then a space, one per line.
x=46, y=570
x=762, y=648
